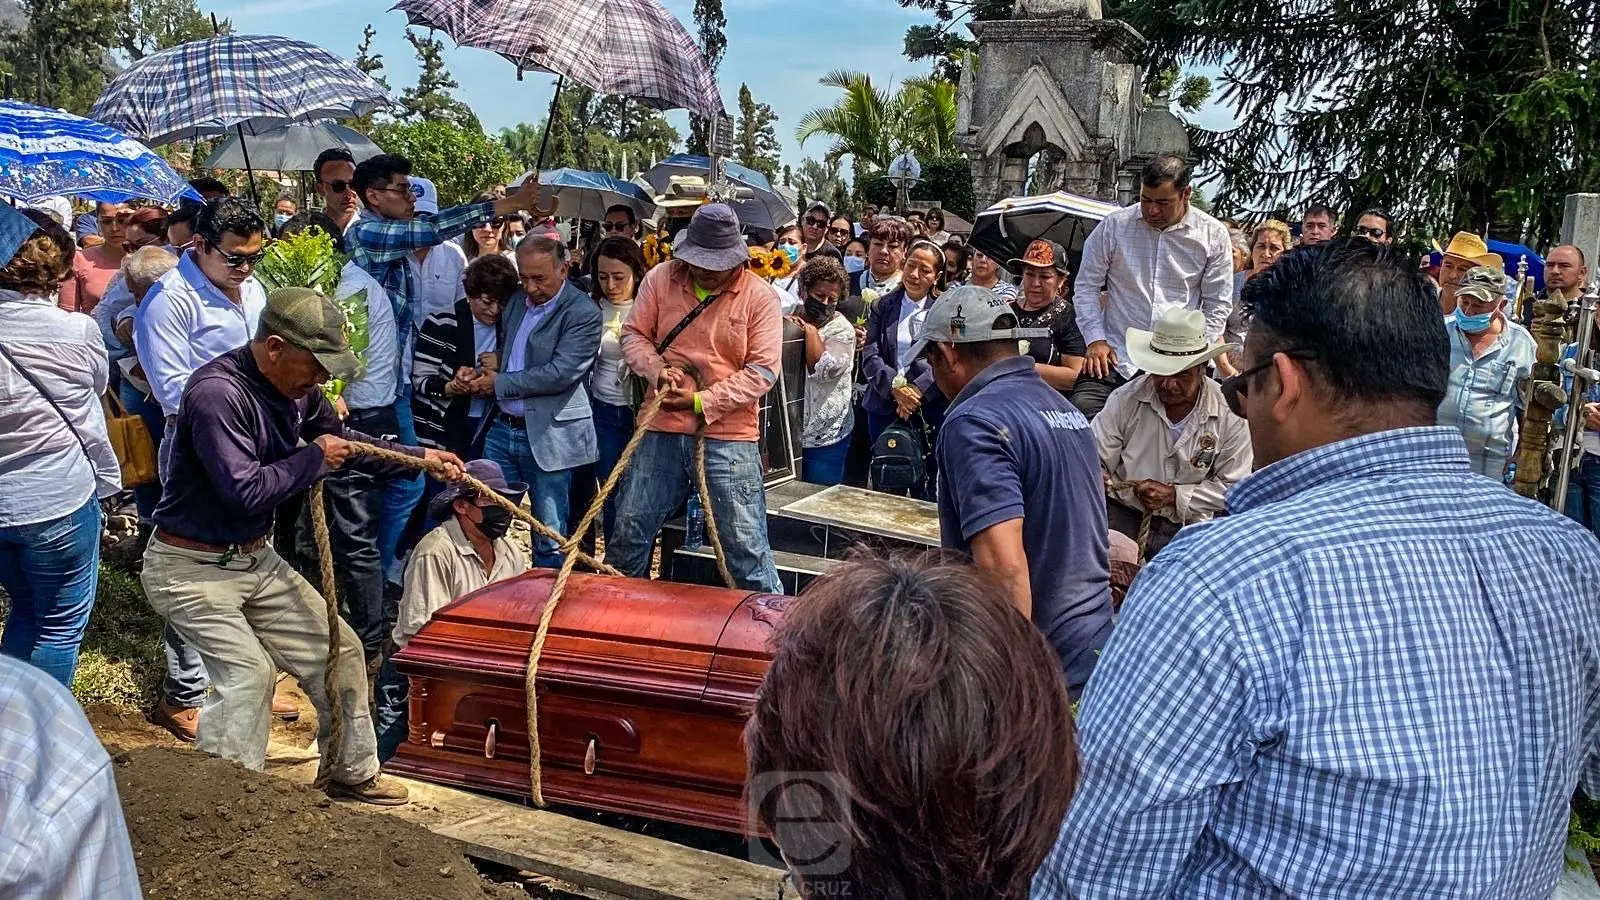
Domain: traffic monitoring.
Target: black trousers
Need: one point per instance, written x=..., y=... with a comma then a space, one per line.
x=1089, y=394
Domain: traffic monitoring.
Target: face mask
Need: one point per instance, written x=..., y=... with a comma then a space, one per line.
x=1477, y=324
x=819, y=311
x=854, y=264
x=516, y=239
x=281, y=219
x=793, y=252
x=496, y=522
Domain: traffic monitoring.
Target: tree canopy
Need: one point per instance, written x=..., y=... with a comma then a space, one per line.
x=594, y=131
x=710, y=24
x=756, y=135
x=460, y=161
x=873, y=126
x=1481, y=114
x=430, y=98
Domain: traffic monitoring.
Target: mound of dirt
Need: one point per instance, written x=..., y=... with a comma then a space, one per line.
x=206, y=828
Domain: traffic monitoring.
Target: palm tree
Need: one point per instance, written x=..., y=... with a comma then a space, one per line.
x=860, y=123
x=927, y=125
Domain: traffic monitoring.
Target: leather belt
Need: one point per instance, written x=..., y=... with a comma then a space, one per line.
x=182, y=543
x=513, y=421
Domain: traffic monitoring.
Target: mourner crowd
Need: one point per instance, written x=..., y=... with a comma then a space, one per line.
x=1355, y=664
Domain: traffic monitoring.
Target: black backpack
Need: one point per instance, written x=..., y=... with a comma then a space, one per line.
x=899, y=459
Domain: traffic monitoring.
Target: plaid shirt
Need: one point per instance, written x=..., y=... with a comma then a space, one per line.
x=1348, y=688
x=381, y=246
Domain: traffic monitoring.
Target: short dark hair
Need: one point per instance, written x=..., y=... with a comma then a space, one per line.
x=493, y=275
x=963, y=251
x=228, y=215
x=1166, y=168
x=624, y=250
x=1320, y=209
x=971, y=798
x=185, y=214
x=935, y=213
x=857, y=240
x=539, y=243
x=889, y=230
x=330, y=155
x=1364, y=319
x=821, y=269
x=633, y=217
x=1388, y=220
x=982, y=352
x=378, y=170
x=208, y=185
x=1583, y=259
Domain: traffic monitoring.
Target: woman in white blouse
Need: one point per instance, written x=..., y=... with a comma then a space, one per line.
x=830, y=360
x=56, y=462
x=618, y=268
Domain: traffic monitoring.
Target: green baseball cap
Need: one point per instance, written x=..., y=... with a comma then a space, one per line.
x=312, y=322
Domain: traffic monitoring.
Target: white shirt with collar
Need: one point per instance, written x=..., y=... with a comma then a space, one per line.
x=445, y=566
x=1146, y=272
x=438, y=281
x=185, y=322
x=911, y=316
x=379, y=387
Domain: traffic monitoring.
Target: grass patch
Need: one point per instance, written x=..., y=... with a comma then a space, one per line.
x=121, y=661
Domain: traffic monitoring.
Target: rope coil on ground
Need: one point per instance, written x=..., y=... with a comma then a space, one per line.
x=571, y=552
x=1145, y=521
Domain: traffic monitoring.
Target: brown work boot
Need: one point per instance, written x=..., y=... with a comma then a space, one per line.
x=379, y=790
x=183, y=722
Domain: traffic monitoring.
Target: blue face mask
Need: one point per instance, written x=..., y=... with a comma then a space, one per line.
x=281, y=219
x=793, y=252
x=1477, y=324
x=854, y=264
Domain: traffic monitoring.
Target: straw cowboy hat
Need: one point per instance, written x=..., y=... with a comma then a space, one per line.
x=1468, y=246
x=684, y=193
x=1177, y=343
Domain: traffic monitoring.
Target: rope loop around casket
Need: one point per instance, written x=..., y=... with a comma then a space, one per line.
x=570, y=548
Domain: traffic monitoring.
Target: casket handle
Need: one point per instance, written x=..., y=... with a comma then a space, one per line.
x=588, y=756
x=491, y=739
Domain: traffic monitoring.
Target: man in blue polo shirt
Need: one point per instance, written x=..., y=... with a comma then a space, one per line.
x=1020, y=486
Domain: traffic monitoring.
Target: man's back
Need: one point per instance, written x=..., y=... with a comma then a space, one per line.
x=1378, y=677
x=1013, y=447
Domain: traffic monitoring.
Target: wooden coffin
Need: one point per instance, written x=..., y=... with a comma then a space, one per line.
x=644, y=689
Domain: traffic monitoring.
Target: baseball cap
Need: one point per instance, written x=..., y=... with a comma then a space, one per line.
x=427, y=195
x=971, y=315
x=1484, y=284
x=310, y=321
x=819, y=205
x=1042, y=255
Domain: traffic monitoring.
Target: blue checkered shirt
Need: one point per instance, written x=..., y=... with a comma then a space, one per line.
x=381, y=246
x=1482, y=399
x=1378, y=677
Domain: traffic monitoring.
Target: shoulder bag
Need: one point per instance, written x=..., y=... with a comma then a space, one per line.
x=635, y=384
x=130, y=439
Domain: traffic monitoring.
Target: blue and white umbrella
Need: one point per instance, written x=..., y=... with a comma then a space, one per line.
x=587, y=195
x=44, y=152
x=245, y=83
x=759, y=205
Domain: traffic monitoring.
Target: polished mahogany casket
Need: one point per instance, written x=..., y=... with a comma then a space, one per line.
x=644, y=690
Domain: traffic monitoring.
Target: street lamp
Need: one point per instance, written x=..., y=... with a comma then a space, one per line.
x=904, y=173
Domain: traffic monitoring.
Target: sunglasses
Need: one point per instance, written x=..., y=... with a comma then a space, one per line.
x=239, y=260
x=616, y=227
x=843, y=231
x=1236, y=388
x=1361, y=231
x=339, y=185
x=817, y=223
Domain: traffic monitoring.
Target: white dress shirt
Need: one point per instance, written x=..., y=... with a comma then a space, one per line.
x=911, y=315
x=438, y=281
x=1146, y=272
x=62, y=835
x=185, y=322
x=378, y=388
x=44, y=472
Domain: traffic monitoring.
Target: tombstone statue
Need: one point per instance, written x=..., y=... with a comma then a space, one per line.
x=1054, y=99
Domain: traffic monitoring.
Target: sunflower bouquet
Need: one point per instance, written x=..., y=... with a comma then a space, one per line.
x=657, y=250
x=770, y=264
x=309, y=259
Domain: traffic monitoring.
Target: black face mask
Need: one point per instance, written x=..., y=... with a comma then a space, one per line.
x=819, y=311
x=496, y=521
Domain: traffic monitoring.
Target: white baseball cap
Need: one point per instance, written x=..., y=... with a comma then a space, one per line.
x=427, y=195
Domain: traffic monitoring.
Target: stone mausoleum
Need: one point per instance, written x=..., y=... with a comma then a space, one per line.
x=1056, y=94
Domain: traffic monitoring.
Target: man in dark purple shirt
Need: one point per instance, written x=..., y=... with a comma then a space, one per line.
x=209, y=569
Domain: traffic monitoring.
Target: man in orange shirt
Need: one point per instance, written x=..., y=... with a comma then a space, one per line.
x=709, y=334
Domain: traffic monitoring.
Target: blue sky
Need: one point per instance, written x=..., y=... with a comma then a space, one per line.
x=775, y=47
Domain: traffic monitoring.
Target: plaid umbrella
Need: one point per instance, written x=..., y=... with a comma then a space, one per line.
x=630, y=48
x=45, y=152
x=244, y=83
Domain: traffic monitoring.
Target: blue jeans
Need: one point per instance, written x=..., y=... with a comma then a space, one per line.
x=659, y=480
x=547, y=491
x=402, y=494
x=185, y=684
x=1583, y=494
x=613, y=426
x=825, y=465
x=145, y=496
x=50, y=569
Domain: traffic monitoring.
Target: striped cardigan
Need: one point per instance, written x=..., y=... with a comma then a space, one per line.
x=445, y=343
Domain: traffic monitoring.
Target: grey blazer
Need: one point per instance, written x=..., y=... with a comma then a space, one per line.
x=553, y=381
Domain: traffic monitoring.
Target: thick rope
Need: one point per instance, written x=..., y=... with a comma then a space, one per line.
x=333, y=750
x=705, y=506
x=1144, y=523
